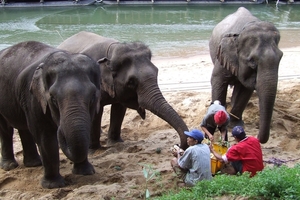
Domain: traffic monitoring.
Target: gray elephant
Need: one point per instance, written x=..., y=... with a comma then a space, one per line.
x=51, y=97
x=245, y=54
x=129, y=80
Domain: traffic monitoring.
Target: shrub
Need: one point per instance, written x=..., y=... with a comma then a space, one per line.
x=272, y=183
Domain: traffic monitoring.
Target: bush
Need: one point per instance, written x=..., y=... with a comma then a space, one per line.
x=272, y=183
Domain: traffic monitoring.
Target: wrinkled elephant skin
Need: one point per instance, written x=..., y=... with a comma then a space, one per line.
x=245, y=54
x=50, y=96
x=129, y=80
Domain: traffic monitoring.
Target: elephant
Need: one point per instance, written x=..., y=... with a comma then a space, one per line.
x=245, y=54
x=129, y=80
x=51, y=97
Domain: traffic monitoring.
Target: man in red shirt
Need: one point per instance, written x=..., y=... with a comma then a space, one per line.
x=246, y=155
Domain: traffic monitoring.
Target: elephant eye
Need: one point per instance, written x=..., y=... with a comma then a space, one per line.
x=132, y=83
x=114, y=74
x=53, y=100
x=252, y=64
x=93, y=99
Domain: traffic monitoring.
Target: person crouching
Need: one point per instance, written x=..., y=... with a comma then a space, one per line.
x=244, y=156
x=194, y=164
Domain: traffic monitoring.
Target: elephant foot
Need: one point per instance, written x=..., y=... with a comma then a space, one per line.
x=94, y=150
x=56, y=182
x=9, y=165
x=111, y=142
x=234, y=123
x=95, y=146
x=83, y=168
x=32, y=162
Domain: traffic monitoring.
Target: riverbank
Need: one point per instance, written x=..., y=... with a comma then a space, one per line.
x=175, y=74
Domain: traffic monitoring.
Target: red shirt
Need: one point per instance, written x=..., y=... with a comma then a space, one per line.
x=249, y=152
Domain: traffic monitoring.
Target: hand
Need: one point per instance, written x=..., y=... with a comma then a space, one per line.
x=174, y=153
x=211, y=138
x=224, y=143
x=180, y=152
x=211, y=147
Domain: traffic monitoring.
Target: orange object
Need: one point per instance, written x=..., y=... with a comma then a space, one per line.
x=216, y=165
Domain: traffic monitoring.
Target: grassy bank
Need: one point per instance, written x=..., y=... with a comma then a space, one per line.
x=272, y=183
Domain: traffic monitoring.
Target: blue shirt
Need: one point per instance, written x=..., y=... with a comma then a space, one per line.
x=197, y=160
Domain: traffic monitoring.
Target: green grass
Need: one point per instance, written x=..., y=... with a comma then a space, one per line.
x=272, y=183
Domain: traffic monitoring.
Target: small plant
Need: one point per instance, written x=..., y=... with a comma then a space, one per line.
x=117, y=168
x=149, y=173
x=158, y=150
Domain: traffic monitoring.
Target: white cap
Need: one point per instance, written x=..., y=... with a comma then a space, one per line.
x=217, y=102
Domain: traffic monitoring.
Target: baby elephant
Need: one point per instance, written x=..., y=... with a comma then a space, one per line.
x=51, y=97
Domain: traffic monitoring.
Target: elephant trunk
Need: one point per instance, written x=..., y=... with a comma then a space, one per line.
x=74, y=135
x=151, y=98
x=266, y=92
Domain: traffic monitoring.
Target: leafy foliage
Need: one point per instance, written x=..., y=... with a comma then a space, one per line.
x=272, y=183
x=149, y=173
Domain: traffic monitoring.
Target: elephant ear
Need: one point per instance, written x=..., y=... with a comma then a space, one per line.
x=37, y=87
x=228, y=53
x=107, y=80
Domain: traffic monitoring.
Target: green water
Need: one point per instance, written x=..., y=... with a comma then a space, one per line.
x=169, y=31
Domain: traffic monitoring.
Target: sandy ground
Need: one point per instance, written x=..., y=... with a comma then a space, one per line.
x=185, y=85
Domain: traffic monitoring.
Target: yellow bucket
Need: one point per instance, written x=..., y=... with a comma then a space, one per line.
x=216, y=165
x=220, y=149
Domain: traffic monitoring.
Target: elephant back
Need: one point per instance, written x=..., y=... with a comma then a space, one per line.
x=88, y=43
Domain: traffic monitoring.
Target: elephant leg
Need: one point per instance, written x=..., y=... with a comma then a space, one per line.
x=83, y=168
x=48, y=146
x=30, y=154
x=8, y=161
x=117, y=114
x=219, y=82
x=239, y=101
x=96, y=131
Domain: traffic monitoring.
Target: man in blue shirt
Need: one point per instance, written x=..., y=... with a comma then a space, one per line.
x=195, y=164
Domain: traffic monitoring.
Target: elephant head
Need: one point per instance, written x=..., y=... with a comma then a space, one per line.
x=250, y=57
x=68, y=87
x=129, y=76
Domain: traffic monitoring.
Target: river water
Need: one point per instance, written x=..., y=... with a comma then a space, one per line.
x=169, y=31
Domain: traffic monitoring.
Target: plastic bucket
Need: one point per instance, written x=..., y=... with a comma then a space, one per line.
x=220, y=149
x=216, y=165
